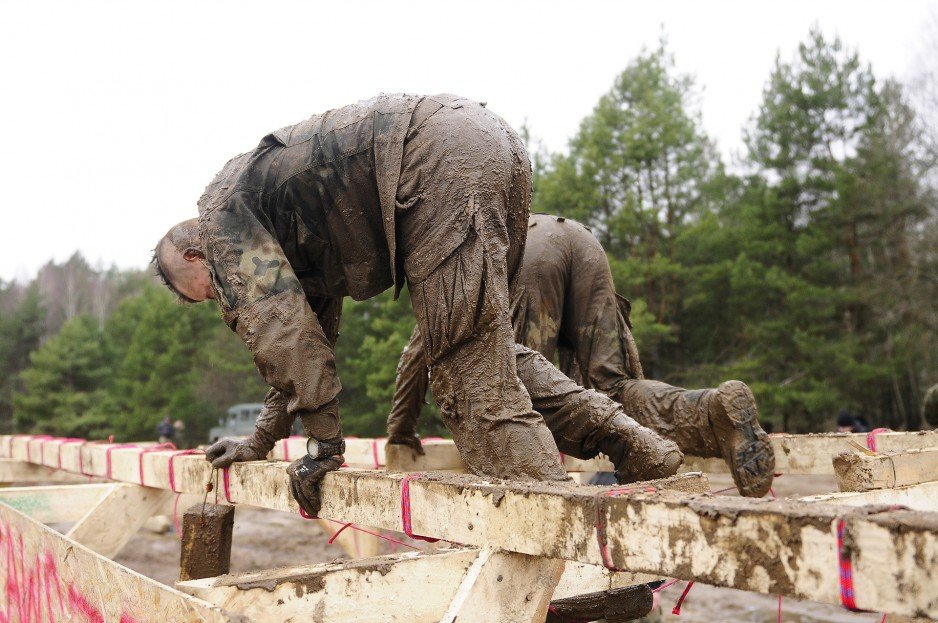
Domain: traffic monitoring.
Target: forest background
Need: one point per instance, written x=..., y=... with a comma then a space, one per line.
x=808, y=268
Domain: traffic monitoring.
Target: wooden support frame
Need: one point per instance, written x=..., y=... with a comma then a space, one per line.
x=20, y=472
x=406, y=588
x=48, y=577
x=411, y=587
x=56, y=503
x=922, y=497
x=866, y=471
x=776, y=547
x=794, y=454
x=117, y=517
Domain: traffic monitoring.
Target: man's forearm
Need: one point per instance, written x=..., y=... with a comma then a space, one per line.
x=273, y=424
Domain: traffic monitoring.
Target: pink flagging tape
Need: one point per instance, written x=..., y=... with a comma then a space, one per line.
x=406, y=521
x=163, y=446
x=170, y=469
x=107, y=456
x=871, y=437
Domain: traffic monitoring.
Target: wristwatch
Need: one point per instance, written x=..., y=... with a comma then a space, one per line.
x=320, y=449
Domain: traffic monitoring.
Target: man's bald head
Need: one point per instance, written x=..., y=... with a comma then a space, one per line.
x=180, y=263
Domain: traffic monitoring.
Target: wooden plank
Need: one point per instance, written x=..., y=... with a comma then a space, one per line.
x=59, y=503
x=580, y=578
x=923, y=497
x=505, y=587
x=14, y=470
x=769, y=546
x=404, y=588
x=110, y=524
x=206, y=541
x=865, y=471
x=612, y=606
x=354, y=592
x=794, y=454
x=46, y=577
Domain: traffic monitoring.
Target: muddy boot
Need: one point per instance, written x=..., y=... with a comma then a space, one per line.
x=638, y=453
x=734, y=421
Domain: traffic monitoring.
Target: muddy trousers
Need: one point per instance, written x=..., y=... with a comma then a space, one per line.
x=674, y=413
x=577, y=418
x=463, y=309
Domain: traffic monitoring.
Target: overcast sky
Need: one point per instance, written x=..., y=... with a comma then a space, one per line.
x=115, y=115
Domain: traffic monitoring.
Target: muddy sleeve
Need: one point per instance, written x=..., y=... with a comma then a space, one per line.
x=274, y=423
x=410, y=390
x=262, y=301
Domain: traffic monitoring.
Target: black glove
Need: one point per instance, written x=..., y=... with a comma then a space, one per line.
x=412, y=441
x=305, y=475
x=224, y=452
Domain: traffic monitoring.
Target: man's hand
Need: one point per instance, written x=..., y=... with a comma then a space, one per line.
x=305, y=476
x=411, y=440
x=227, y=451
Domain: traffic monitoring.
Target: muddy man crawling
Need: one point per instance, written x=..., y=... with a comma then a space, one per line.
x=564, y=303
x=434, y=191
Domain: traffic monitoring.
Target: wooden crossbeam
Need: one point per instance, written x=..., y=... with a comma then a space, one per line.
x=57, y=503
x=922, y=497
x=515, y=586
x=412, y=587
x=49, y=577
x=406, y=588
x=776, y=547
x=866, y=471
x=20, y=472
x=117, y=517
x=794, y=454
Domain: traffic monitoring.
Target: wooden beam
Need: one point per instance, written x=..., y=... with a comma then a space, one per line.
x=46, y=576
x=794, y=454
x=580, y=578
x=404, y=588
x=117, y=517
x=769, y=546
x=613, y=606
x=866, y=471
x=923, y=497
x=505, y=587
x=13, y=470
x=59, y=503
x=206, y=541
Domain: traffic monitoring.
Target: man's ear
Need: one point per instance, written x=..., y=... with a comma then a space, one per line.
x=191, y=254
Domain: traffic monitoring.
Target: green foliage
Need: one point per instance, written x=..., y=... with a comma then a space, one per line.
x=64, y=382
x=374, y=332
x=21, y=328
x=640, y=172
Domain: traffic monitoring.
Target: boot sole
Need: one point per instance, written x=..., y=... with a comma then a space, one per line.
x=746, y=447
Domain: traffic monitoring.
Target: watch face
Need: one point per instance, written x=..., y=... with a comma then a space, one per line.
x=312, y=447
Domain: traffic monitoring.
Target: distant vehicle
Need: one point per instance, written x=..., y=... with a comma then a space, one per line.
x=239, y=422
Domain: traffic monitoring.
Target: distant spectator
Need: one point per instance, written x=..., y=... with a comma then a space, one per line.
x=179, y=427
x=165, y=430
x=849, y=423
x=930, y=407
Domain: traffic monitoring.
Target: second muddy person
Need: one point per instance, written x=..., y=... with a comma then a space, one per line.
x=564, y=303
x=431, y=190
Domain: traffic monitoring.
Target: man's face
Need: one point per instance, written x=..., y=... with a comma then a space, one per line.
x=188, y=272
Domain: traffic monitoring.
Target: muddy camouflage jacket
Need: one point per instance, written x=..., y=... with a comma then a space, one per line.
x=295, y=225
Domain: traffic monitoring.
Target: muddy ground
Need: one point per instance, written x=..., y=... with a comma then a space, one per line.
x=264, y=539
